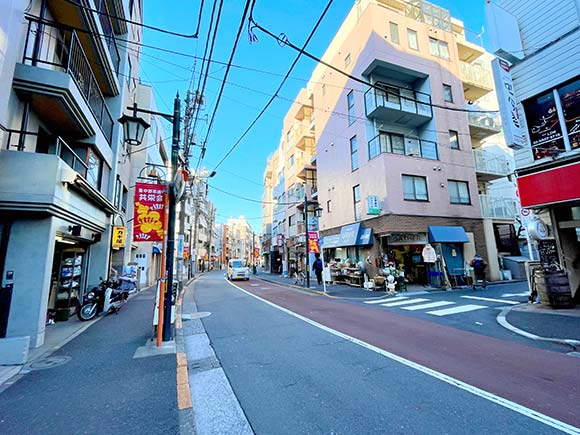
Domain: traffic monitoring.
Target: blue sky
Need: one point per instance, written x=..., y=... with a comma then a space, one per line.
x=242, y=171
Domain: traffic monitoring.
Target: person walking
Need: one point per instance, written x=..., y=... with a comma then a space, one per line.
x=318, y=267
x=479, y=265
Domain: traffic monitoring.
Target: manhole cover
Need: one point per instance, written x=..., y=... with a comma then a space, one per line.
x=48, y=363
x=193, y=316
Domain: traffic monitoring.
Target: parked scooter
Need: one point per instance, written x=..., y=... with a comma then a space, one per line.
x=105, y=298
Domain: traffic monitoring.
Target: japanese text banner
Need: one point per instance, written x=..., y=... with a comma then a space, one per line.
x=149, y=213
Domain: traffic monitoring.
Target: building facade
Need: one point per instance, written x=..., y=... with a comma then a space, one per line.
x=66, y=77
x=239, y=239
x=539, y=43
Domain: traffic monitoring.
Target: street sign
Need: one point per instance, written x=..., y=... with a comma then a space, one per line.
x=525, y=212
x=179, y=184
x=119, y=234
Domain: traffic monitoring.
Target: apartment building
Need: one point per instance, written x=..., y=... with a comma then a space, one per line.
x=239, y=239
x=539, y=43
x=401, y=163
x=66, y=77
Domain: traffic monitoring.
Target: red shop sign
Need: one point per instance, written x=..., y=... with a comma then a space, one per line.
x=313, y=242
x=550, y=186
x=149, y=213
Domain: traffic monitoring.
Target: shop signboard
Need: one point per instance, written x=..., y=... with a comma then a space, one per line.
x=544, y=125
x=349, y=234
x=313, y=243
x=407, y=239
x=373, y=205
x=119, y=234
x=256, y=252
x=149, y=212
x=570, y=98
x=280, y=240
x=508, y=105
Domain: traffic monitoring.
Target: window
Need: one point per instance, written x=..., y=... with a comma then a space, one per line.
x=356, y=200
x=347, y=60
x=118, y=192
x=412, y=39
x=291, y=220
x=350, y=104
x=329, y=206
x=124, y=200
x=129, y=74
x=415, y=188
x=94, y=169
x=387, y=143
x=459, y=192
x=353, y=153
x=323, y=89
x=291, y=160
x=453, y=140
x=394, y=29
x=447, y=93
x=288, y=136
x=439, y=48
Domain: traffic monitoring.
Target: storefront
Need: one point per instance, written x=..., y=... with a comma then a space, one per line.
x=404, y=250
x=449, y=244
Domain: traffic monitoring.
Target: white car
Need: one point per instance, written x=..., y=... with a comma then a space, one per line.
x=237, y=270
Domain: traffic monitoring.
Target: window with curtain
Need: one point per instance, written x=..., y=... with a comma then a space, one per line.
x=394, y=30
x=415, y=188
x=413, y=39
x=350, y=106
x=357, y=202
x=459, y=192
x=453, y=140
x=439, y=48
x=353, y=153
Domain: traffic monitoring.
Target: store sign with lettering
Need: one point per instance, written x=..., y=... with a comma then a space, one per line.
x=119, y=234
x=570, y=98
x=149, y=212
x=313, y=244
x=407, y=238
x=373, y=205
x=543, y=125
x=508, y=105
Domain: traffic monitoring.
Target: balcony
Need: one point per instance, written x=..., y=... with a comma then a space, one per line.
x=477, y=80
x=482, y=125
x=498, y=207
x=305, y=112
x=398, y=105
x=406, y=146
x=489, y=166
x=55, y=73
x=303, y=138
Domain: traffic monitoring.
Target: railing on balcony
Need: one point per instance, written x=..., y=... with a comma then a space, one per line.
x=20, y=141
x=498, y=207
x=476, y=74
x=407, y=146
x=488, y=121
x=108, y=33
x=491, y=163
x=405, y=100
x=60, y=49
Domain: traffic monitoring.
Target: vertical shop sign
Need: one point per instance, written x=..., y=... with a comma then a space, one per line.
x=543, y=125
x=313, y=245
x=373, y=205
x=119, y=234
x=149, y=212
x=508, y=105
x=570, y=98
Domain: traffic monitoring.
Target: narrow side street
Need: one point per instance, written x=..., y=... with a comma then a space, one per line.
x=100, y=388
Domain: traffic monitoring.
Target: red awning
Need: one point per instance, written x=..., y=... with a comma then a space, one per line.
x=550, y=186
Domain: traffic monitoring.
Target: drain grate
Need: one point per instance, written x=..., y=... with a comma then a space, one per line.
x=201, y=365
x=48, y=363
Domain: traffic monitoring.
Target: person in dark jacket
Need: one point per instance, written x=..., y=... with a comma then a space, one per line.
x=479, y=265
x=318, y=267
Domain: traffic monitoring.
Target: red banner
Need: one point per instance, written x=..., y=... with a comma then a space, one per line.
x=313, y=243
x=149, y=213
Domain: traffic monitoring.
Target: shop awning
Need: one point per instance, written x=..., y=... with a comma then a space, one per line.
x=330, y=241
x=365, y=236
x=447, y=234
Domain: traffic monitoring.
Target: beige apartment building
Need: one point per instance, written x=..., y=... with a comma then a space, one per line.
x=407, y=158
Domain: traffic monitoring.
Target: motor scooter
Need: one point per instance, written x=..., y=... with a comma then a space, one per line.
x=104, y=298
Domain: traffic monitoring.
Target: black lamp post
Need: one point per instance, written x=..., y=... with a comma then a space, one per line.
x=134, y=131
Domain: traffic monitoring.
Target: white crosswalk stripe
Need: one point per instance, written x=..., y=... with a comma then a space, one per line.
x=455, y=310
x=509, y=295
x=383, y=300
x=501, y=301
x=427, y=306
x=406, y=302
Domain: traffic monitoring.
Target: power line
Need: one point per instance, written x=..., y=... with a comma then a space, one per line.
x=199, y=19
x=273, y=97
x=258, y=201
x=135, y=23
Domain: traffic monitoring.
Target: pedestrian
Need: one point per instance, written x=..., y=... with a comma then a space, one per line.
x=318, y=267
x=479, y=265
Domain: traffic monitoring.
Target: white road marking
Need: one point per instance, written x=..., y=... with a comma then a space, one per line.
x=501, y=301
x=429, y=305
x=520, y=409
x=254, y=285
x=407, y=302
x=382, y=300
x=265, y=288
x=509, y=295
x=456, y=310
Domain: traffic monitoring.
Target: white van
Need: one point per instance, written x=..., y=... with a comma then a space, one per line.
x=237, y=269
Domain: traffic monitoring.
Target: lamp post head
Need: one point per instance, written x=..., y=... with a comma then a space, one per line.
x=133, y=129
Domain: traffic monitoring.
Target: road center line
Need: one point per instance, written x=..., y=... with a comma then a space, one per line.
x=501, y=301
x=538, y=416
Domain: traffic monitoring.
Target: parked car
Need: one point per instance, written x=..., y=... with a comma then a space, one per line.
x=237, y=269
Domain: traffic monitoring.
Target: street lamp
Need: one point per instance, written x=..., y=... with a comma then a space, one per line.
x=317, y=213
x=133, y=131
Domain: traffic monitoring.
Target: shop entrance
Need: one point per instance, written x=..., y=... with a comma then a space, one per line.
x=405, y=251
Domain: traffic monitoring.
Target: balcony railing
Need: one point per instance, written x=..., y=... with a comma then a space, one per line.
x=498, y=207
x=405, y=100
x=109, y=34
x=491, y=163
x=407, y=146
x=477, y=75
x=488, y=121
x=60, y=49
x=20, y=141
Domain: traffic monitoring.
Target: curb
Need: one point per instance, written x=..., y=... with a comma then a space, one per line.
x=502, y=320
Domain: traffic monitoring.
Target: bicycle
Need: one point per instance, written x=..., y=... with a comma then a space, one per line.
x=299, y=278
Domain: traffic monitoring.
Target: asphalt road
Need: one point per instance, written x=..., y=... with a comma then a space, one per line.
x=102, y=389
x=293, y=377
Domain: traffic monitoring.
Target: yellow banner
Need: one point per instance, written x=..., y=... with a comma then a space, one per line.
x=119, y=234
